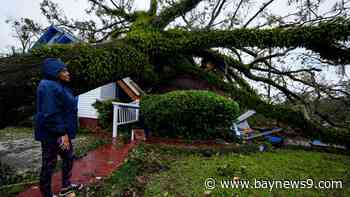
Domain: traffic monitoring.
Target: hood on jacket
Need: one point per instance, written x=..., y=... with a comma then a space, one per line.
x=51, y=67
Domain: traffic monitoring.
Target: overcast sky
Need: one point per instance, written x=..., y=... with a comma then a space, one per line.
x=31, y=9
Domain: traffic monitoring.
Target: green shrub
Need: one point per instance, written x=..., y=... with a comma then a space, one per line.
x=105, y=117
x=189, y=114
x=105, y=112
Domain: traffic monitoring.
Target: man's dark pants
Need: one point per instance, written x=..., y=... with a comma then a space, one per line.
x=50, y=150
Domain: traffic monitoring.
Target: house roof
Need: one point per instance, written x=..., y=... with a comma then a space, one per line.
x=56, y=35
x=130, y=88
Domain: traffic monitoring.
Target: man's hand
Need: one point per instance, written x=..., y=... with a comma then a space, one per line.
x=65, y=142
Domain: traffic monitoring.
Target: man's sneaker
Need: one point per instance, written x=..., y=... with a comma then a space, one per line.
x=66, y=191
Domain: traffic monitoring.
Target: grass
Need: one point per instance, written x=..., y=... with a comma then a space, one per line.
x=131, y=178
x=118, y=184
x=186, y=177
x=167, y=171
x=15, y=132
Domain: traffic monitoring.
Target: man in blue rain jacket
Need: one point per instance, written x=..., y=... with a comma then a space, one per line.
x=56, y=124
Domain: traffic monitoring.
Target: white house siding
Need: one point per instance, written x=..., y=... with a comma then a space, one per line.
x=85, y=108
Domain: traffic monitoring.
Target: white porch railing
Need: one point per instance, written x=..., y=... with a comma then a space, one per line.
x=124, y=113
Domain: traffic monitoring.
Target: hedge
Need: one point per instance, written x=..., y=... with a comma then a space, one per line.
x=191, y=114
x=105, y=112
x=105, y=118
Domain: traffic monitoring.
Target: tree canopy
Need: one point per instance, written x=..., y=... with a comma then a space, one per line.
x=226, y=43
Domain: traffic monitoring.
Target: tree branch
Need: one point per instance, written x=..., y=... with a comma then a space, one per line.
x=257, y=13
x=153, y=7
x=169, y=14
x=265, y=58
x=238, y=7
x=320, y=39
x=235, y=14
x=236, y=52
x=290, y=75
x=114, y=12
x=215, y=13
x=114, y=3
x=245, y=69
x=278, y=72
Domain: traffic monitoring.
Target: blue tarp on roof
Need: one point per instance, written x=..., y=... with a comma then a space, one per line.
x=55, y=35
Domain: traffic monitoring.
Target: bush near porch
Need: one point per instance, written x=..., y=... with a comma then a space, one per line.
x=191, y=114
x=105, y=112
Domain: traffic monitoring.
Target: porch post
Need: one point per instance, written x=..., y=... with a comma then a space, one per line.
x=115, y=120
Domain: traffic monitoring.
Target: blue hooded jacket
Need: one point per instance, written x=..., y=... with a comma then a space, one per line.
x=56, y=106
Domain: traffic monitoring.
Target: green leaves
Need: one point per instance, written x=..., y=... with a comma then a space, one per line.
x=105, y=112
x=96, y=65
x=189, y=114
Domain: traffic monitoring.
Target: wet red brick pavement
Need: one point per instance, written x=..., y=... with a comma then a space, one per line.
x=106, y=159
x=96, y=165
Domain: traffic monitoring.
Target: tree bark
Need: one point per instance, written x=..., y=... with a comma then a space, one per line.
x=93, y=66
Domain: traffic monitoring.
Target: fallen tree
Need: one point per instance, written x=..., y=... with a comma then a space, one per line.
x=153, y=52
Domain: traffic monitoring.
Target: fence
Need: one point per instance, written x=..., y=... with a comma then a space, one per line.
x=124, y=113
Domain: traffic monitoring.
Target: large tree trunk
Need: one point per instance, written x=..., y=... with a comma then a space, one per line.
x=93, y=66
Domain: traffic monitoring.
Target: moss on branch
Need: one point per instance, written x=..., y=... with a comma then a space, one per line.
x=153, y=7
x=169, y=14
x=92, y=66
x=322, y=38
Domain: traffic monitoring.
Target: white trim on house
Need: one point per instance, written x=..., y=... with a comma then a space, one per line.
x=85, y=108
x=108, y=91
x=133, y=86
